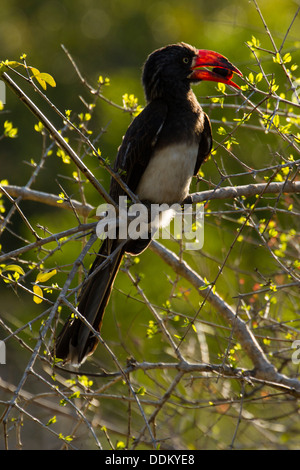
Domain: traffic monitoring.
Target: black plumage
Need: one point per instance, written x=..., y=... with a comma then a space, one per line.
x=162, y=149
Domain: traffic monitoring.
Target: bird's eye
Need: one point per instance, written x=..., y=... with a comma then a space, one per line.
x=185, y=60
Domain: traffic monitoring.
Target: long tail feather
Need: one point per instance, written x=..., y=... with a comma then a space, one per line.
x=76, y=341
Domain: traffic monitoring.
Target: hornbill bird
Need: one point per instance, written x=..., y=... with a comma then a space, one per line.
x=162, y=150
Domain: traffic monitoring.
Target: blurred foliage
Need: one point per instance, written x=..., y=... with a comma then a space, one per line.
x=111, y=40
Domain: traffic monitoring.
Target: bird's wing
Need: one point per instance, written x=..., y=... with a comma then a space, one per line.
x=205, y=144
x=138, y=146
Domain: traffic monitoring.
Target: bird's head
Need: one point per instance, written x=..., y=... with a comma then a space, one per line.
x=179, y=65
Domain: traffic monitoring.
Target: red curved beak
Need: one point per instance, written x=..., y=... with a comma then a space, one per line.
x=222, y=70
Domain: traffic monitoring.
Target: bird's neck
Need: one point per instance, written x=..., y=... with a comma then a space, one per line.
x=184, y=120
x=182, y=101
x=175, y=99
x=167, y=90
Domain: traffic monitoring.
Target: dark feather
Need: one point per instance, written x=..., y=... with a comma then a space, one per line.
x=138, y=145
x=172, y=116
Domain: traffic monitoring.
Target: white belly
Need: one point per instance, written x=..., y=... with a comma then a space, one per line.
x=168, y=175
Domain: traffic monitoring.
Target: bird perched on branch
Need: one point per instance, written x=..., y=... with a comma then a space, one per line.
x=161, y=151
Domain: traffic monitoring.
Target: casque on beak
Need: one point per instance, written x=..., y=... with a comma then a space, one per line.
x=222, y=70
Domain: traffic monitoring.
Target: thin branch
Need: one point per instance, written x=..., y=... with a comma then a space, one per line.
x=49, y=199
x=61, y=142
x=227, y=192
x=24, y=218
x=45, y=328
x=248, y=190
x=263, y=368
x=43, y=241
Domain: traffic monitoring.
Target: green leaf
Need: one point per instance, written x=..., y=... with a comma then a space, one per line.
x=103, y=81
x=38, y=127
x=46, y=77
x=221, y=87
x=65, y=438
x=38, y=291
x=254, y=42
x=9, y=63
x=43, y=277
x=287, y=58
x=273, y=86
x=251, y=77
x=51, y=421
x=43, y=78
x=9, y=130
x=120, y=445
x=221, y=131
x=15, y=268
x=85, y=381
x=277, y=58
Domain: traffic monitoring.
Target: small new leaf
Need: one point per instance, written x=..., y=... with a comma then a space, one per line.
x=43, y=277
x=43, y=78
x=38, y=127
x=15, y=268
x=51, y=421
x=38, y=298
x=9, y=130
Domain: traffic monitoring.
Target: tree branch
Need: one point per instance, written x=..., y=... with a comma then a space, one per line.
x=263, y=369
x=228, y=192
x=49, y=199
x=248, y=190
